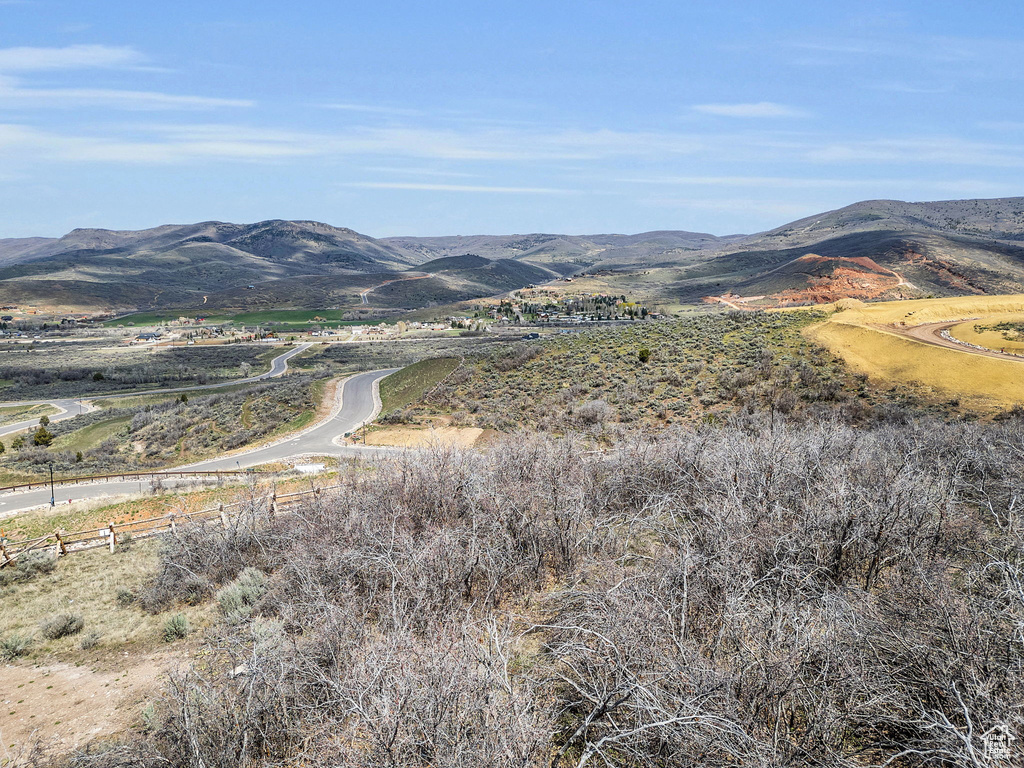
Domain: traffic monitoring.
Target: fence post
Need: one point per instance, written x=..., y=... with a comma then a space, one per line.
x=60, y=543
x=273, y=501
x=113, y=537
x=174, y=526
x=223, y=517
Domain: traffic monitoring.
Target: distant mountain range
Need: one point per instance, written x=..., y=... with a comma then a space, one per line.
x=878, y=249
x=873, y=249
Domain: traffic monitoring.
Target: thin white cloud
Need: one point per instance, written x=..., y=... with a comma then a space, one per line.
x=536, y=149
x=908, y=88
x=373, y=110
x=411, y=171
x=28, y=59
x=758, y=110
x=732, y=205
x=12, y=95
x=930, y=150
x=457, y=188
x=740, y=181
x=965, y=187
x=969, y=55
x=16, y=140
x=15, y=93
x=1002, y=125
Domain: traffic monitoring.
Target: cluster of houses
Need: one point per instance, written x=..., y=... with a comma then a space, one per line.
x=387, y=331
x=31, y=321
x=544, y=306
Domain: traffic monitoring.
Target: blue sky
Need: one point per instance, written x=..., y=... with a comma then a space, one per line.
x=499, y=117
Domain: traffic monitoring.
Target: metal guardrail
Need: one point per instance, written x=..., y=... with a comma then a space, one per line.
x=127, y=476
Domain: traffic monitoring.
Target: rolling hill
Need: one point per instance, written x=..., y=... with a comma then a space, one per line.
x=566, y=254
x=876, y=249
x=179, y=265
x=942, y=248
x=296, y=263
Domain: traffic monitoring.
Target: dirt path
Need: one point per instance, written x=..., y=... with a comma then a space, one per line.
x=733, y=304
x=65, y=706
x=363, y=294
x=930, y=333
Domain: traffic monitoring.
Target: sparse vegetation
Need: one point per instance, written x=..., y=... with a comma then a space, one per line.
x=237, y=599
x=62, y=625
x=91, y=368
x=14, y=645
x=410, y=384
x=176, y=627
x=750, y=594
x=341, y=358
x=745, y=579
x=89, y=641
x=27, y=567
x=652, y=375
x=171, y=431
x=89, y=584
x=14, y=414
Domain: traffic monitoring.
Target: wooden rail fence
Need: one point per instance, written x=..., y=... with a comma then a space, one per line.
x=63, y=543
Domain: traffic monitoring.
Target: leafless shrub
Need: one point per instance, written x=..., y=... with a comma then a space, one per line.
x=753, y=594
x=200, y=557
x=594, y=412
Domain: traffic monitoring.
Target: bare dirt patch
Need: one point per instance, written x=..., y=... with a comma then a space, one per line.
x=64, y=705
x=828, y=279
x=421, y=437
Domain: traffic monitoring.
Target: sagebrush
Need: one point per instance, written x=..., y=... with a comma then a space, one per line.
x=756, y=594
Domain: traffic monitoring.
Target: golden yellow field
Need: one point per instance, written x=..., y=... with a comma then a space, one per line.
x=857, y=332
x=968, y=331
x=918, y=311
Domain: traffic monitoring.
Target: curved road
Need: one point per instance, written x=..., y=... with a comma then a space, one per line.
x=358, y=404
x=71, y=407
x=930, y=333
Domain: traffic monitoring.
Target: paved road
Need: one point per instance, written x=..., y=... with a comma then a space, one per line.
x=71, y=407
x=358, y=404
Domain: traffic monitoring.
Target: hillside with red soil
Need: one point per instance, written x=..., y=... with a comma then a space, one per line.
x=816, y=279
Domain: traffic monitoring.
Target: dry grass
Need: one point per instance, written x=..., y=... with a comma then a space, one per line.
x=990, y=339
x=96, y=513
x=87, y=584
x=855, y=332
x=984, y=383
x=423, y=437
x=919, y=311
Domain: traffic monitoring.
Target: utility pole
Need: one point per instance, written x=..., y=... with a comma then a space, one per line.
x=53, y=494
